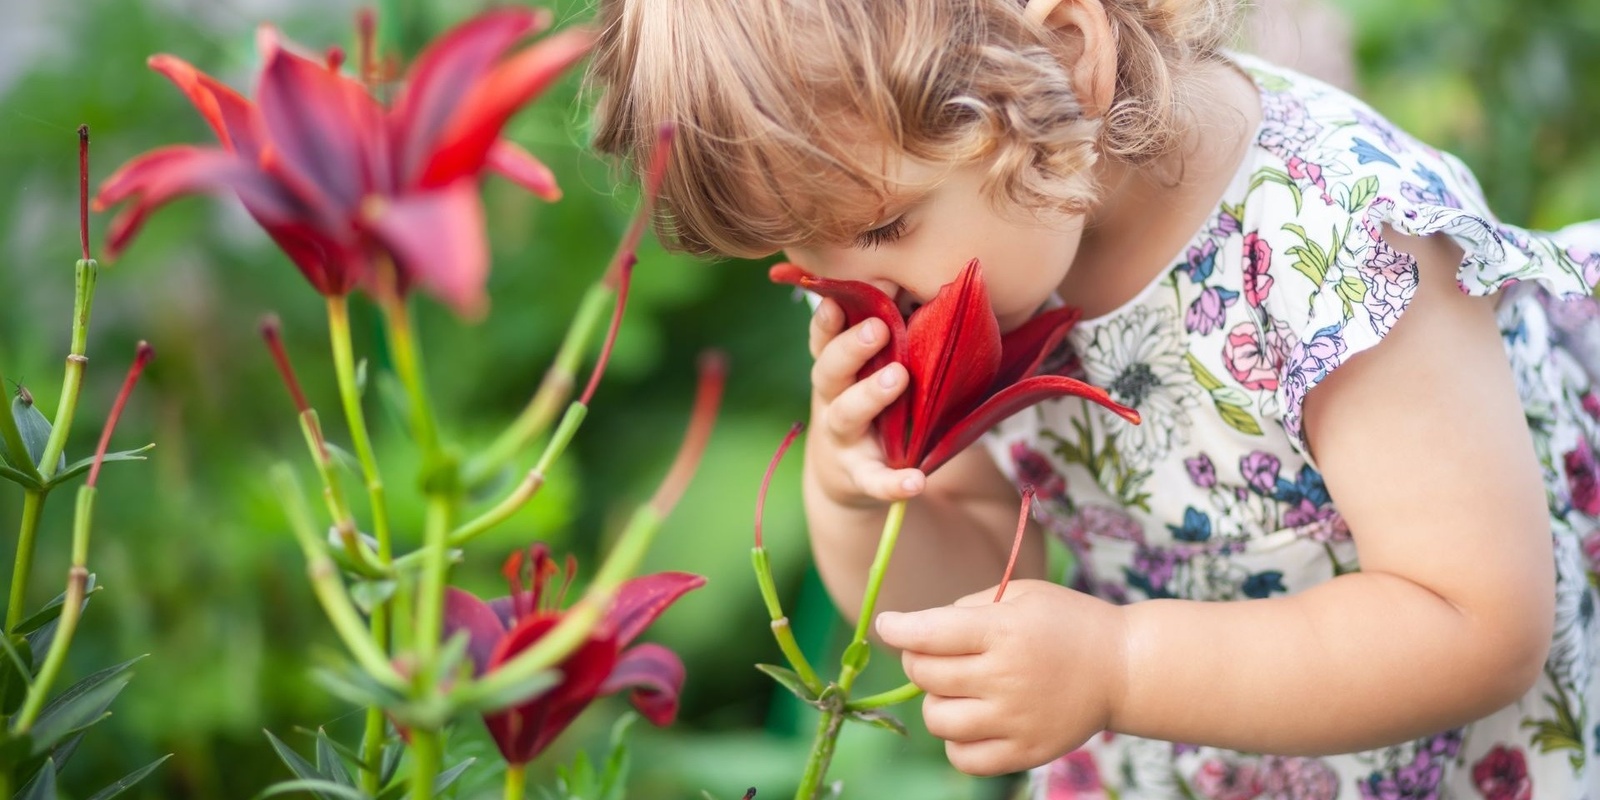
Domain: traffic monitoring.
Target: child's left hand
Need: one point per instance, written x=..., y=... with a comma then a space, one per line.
x=1015, y=684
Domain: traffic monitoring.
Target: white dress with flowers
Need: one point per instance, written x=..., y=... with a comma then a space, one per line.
x=1214, y=498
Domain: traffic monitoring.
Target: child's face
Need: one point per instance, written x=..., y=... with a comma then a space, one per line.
x=921, y=242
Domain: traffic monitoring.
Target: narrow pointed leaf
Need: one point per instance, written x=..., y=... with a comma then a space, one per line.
x=129, y=780
x=52, y=609
x=82, y=465
x=321, y=788
x=79, y=707
x=515, y=694
x=389, y=763
x=16, y=673
x=451, y=775
x=879, y=719
x=43, y=786
x=72, y=693
x=35, y=429
x=303, y=770
x=355, y=687
x=614, y=777
x=328, y=761
x=789, y=680
x=19, y=478
x=62, y=753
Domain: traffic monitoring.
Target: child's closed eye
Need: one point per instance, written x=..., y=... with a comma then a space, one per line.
x=883, y=234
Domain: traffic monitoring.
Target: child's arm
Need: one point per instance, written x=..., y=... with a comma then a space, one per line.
x=957, y=531
x=1424, y=448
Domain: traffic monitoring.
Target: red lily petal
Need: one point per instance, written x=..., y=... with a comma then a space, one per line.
x=464, y=613
x=464, y=145
x=861, y=301
x=166, y=173
x=321, y=131
x=524, y=170
x=953, y=354
x=438, y=242
x=1022, y=350
x=523, y=732
x=444, y=74
x=1009, y=401
x=640, y=600
x=231, y=116
x=655, y=674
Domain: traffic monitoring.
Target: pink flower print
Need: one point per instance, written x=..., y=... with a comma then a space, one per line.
x=1103, y=521
x=1591, y=405
x=1153, y=569
x=1247, y=361
x=1201, y=471
x=1260, y=470
x=1502, y=774
x=1074, y=776
x=1582, y=480
x=1391, y=279
x=1286, y=126
x=1227, y=225
x=1220, y=780
x=1588, y=264
x=1303, y=170
x=1207, y=312
x=1258, y=259
x=1200, y=261
x=1034, y=469
x=1298, y=779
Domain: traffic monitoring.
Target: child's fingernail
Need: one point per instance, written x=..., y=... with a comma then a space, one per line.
x=886, y=618
x=867, y=333
x=888, y=377
x=911, y=484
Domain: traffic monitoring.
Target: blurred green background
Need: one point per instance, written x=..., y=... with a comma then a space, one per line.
x=191, y=547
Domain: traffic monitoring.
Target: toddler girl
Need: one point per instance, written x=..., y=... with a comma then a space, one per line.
x=1347, y=553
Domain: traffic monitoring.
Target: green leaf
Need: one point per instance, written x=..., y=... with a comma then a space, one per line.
x=355, y=686
x=15, y=749
x=614, y=778
x=879, y=718
x=389, y=763
x=43, y=785
x=1361, y=193
x=856, y=656
x=577, y=780
x=129, y=780
x=82, y=465
x=328, y=761
x=1203, y=376
x=22, y=479
x=320, y=788
x=34, y=427
x=450, y=776
x=789, y=680
x=52, y=609
x=81, y=705
x=368, y=595
x=16, y=673
x=1240, y=419
x=475, y=700
x=1278, y=176
x=1353, y=291
x=302, y=769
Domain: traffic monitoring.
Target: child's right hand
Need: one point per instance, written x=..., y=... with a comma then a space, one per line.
x=843, y=457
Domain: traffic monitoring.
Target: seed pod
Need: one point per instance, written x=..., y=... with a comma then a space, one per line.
x=34, y=427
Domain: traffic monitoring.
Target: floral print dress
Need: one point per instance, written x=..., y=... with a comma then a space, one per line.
x=1214, y=496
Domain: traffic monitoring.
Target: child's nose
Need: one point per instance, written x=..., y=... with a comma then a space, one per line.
x=906, y=302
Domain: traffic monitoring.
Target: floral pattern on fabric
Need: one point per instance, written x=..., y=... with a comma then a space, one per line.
x=1215, y=497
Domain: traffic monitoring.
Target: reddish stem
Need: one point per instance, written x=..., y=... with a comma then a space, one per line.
x=708, y=397
x=772, y=468
x=272, y=332
x=1016, y=543
x=145, y=353
x=83, y=190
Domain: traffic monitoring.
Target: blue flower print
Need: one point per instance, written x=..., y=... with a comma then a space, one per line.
x=1367, y=152
x=1435, y=193
x=1196, y=526
x=1263, y=584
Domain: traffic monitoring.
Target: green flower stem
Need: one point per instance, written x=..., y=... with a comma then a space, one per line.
x=408, y=365
x=553, y=390
x=516, y=781
x=16, y=451
x=71, y=609
x=355, y=418
x=330, y=591
x=32, y=505
x=530, y=485
x=780, y=623
x=427, y=758
x=895, y=696
x=87, y=271
x=430, y=591
x=579, y=620
x=821, y=755
x=869, y=601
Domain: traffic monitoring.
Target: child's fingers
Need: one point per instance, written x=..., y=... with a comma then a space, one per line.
x=842, y=358
x=877, y=481
x=850, y=415
x=826, y=322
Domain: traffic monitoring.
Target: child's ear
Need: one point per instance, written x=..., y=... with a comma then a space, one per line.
x=1093, y=47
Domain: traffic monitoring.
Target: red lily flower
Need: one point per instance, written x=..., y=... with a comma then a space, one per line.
x=339, y=181
x=965, y=376
x=499, y=630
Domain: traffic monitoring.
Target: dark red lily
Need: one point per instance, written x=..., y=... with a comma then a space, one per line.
x=965, y=376
x=339, y=181
x=500, y=629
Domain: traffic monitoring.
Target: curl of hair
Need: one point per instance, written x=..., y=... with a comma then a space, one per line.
x=784, y=107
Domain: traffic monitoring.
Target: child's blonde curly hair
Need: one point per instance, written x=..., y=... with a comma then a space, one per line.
x=783, y=107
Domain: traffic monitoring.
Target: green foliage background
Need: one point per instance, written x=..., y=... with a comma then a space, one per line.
x=198, y=567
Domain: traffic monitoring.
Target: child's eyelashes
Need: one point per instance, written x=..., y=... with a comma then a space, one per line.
x=883, y=234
